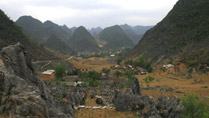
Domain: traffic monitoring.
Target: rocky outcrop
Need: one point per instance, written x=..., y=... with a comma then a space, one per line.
x=145, y=106
x=136, y=87
x=23, y=94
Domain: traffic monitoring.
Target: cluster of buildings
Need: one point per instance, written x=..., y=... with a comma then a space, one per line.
x=138, y=70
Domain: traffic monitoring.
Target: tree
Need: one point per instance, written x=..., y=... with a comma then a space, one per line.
x=119, y=61
x=118, y=74
x=130, y=76
x=194, y=108
x=59, y=72
x=94, y=75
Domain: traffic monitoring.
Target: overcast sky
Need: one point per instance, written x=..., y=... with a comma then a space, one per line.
x=90, y=13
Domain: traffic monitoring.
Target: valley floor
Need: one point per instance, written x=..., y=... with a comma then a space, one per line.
x=178, y=84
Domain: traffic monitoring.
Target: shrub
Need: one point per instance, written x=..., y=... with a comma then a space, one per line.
x=194, y=108
x=105, y=70
x=148, y=79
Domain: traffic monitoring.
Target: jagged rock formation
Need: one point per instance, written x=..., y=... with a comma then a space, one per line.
x=136, y=87
x=182, y=35
x=145, y=106
x=22, y=94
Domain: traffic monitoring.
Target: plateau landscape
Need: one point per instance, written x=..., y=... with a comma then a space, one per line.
x=104, y=59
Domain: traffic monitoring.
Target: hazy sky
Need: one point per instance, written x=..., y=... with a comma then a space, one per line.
x=90, y=13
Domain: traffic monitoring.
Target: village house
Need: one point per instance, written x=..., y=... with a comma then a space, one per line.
x=72, y=84
x=141, y=70
x=49, y=74
x=168, y=66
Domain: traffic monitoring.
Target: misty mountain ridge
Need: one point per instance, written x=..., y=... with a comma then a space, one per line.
x=135, y=33
x=95, y=31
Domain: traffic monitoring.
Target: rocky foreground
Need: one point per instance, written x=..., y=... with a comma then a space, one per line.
x=23, y=94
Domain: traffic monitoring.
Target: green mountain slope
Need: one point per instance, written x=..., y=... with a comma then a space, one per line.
x=57, y=44
x=115, y=38
x=39, y=31
x=11, y=34
x=82, y=41
x=182, y=35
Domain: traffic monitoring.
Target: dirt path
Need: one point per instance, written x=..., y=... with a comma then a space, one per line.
x=46, y=64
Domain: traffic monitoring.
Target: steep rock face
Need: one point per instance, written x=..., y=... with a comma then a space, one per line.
x=22, y=94
x=115, y=38
x=182, y=34
x=82, y=41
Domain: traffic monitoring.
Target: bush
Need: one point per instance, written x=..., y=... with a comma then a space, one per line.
x=194, y=108
x=148, y=79
x=105, y=70
x=130, y=75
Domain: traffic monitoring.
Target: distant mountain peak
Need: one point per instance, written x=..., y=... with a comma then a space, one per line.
x=82, y=41
x=115, y=38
